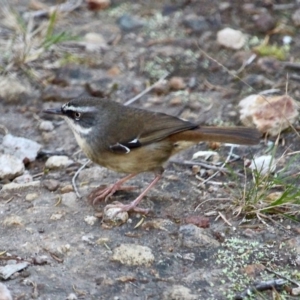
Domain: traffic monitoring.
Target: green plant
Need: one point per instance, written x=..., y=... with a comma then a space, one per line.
x=270, y=193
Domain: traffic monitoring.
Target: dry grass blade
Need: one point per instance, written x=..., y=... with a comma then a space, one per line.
x=28, y=38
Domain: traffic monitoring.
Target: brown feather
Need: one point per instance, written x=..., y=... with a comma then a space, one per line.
x=234, y=135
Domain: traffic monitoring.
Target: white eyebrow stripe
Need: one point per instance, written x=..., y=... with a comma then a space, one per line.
x=78, y=108
x=133, y=141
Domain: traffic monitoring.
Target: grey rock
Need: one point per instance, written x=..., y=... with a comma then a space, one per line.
x=129, y=23
x=10, y=166
x=51, y=184
x=20, y=147
x=193, y=236
x=198, y=24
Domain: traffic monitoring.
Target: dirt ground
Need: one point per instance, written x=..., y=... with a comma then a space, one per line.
x=71, y=253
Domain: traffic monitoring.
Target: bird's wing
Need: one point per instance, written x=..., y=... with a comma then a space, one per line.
x=155, y=127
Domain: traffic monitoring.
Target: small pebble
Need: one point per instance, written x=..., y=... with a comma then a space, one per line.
x=192, y=82
x=161, y=88
x=177, y=83
x=46, y=126
x=195, y=169
x=231, y=38
x=96, y=5
x=66, y=189
x=296, y=291
x=196, y=23
x=113, y=216
x=129, y=23
x=31, y=196
x=58, y=161
x=56, y=216
x=176, y=101
x=264, y=22
x=51, y=184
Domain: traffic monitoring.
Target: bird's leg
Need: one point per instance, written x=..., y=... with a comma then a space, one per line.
x=132, y=206
x=104, y=194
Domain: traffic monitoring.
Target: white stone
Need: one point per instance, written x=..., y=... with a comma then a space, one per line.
x=133, y=255
x=231, y=38
x=94, y=42
x=58, y=161
x=21, y=147
x=10, y=166
x=46, y=126
x=296, y=291
x=263, y=165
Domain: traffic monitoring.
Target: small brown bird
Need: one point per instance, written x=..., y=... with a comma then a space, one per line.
x=131, y=140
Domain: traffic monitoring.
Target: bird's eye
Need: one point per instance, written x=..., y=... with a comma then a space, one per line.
x=77, y=115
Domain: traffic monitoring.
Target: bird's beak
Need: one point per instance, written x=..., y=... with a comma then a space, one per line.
x=54, y=111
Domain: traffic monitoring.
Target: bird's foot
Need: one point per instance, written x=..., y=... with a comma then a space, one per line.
x=104, y=193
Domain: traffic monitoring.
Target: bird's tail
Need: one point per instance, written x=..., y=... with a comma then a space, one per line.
x=233, y=135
